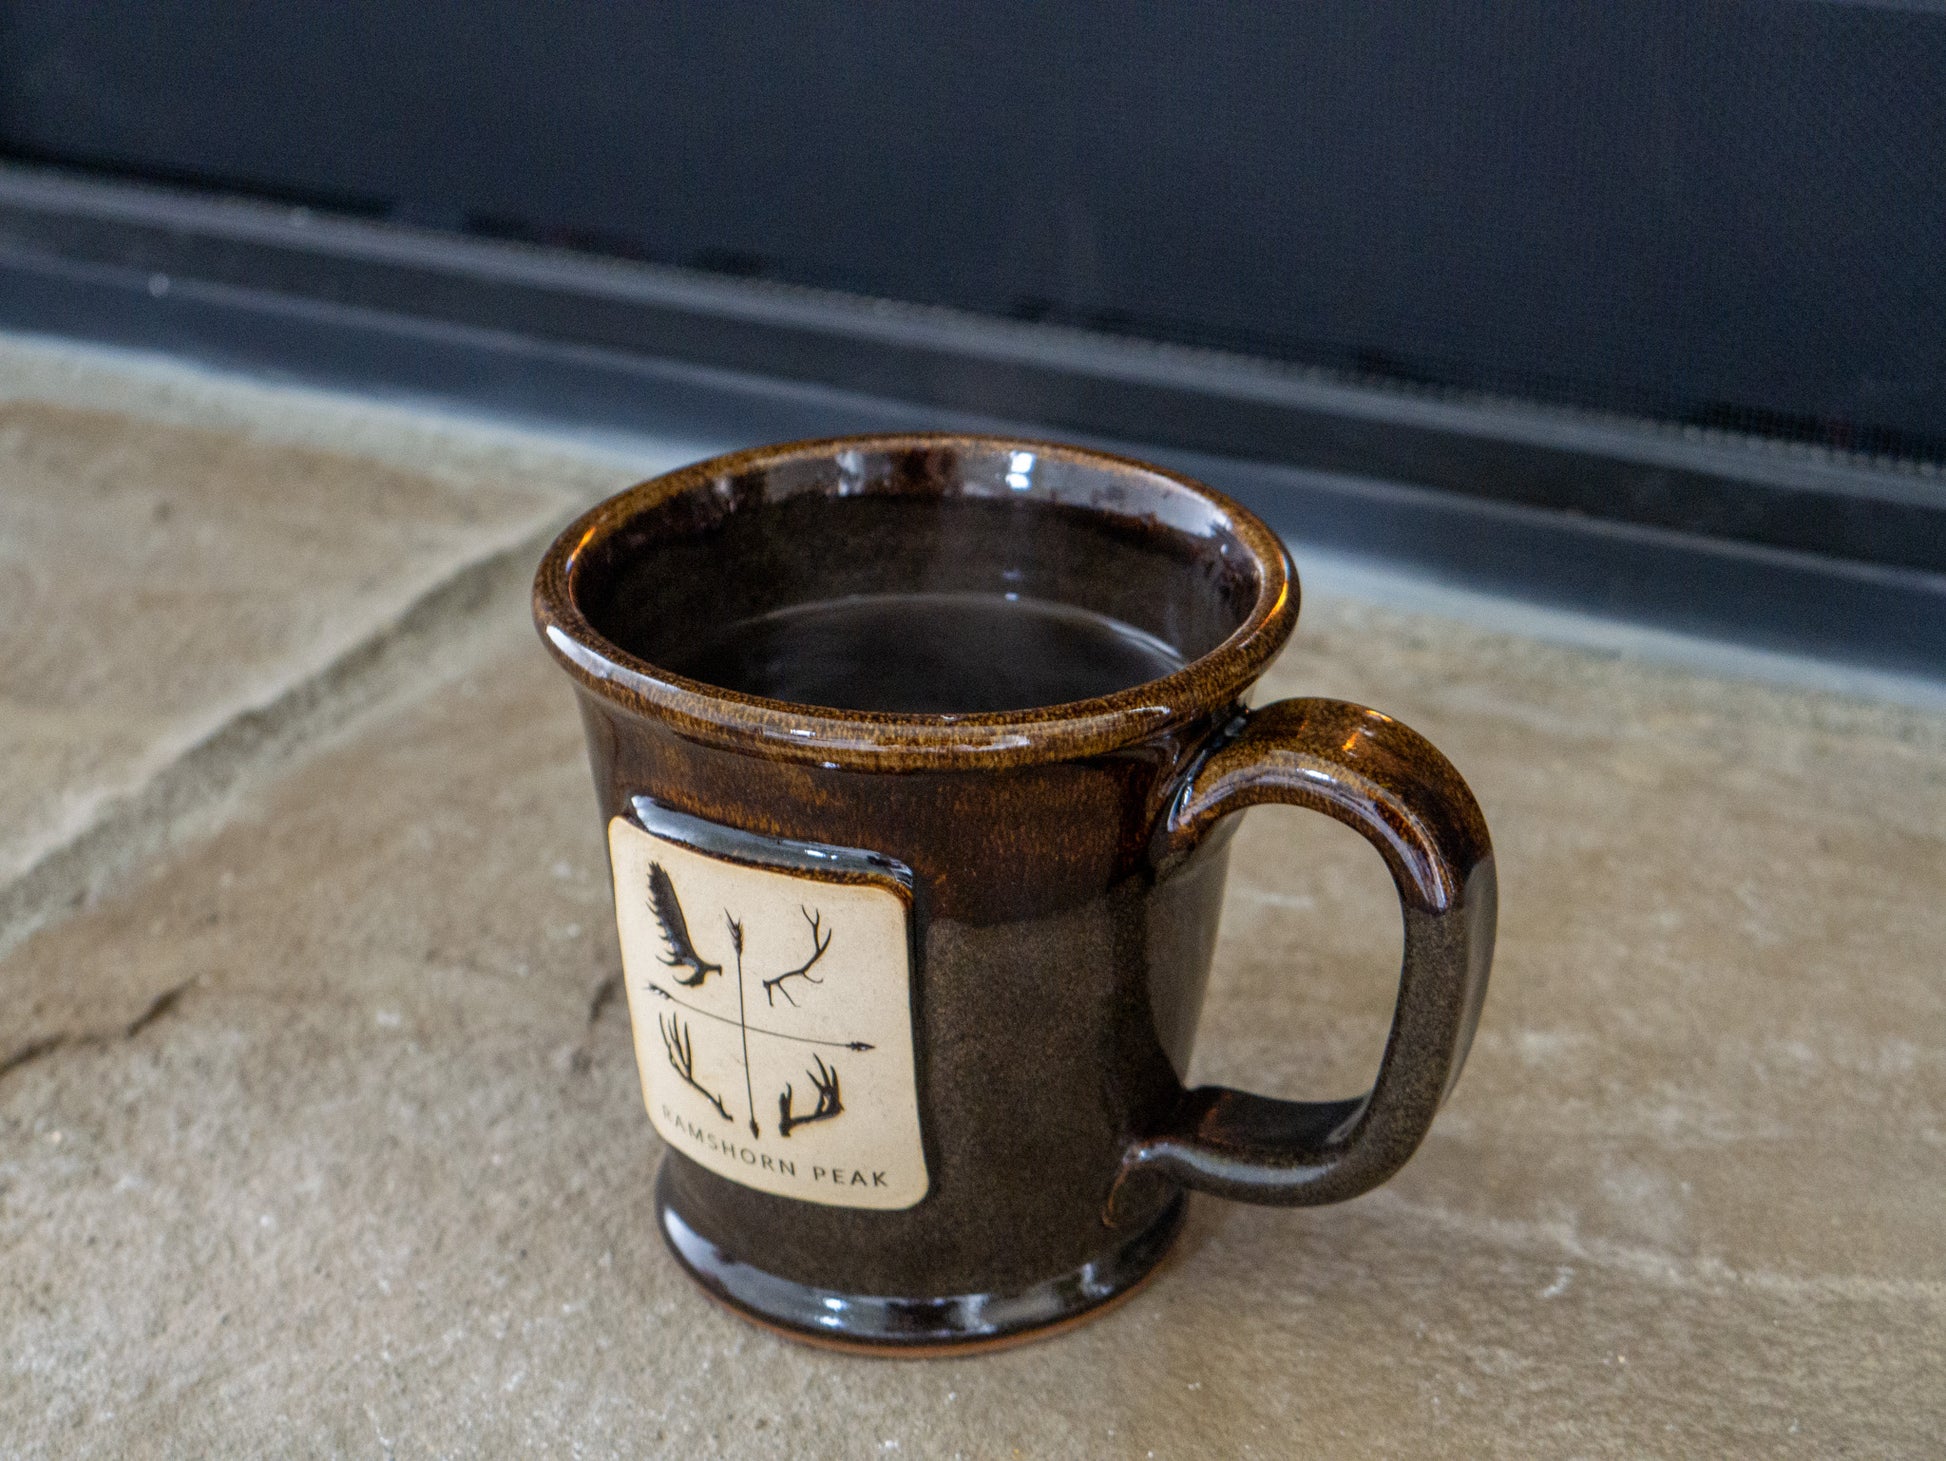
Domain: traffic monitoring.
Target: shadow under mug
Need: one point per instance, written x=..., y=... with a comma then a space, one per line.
x=913, y=994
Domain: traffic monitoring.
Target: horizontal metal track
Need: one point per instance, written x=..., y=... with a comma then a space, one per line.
x=1781, y=547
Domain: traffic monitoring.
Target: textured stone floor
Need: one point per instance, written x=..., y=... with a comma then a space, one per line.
x=317, y=1135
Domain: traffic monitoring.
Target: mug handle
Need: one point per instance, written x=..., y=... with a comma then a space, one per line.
x=1387, y=781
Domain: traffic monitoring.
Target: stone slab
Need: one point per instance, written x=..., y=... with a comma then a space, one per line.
x=157, y=580
x=327, y=1137
x=191, y=565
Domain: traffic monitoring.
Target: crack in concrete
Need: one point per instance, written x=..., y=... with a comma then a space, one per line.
x=192, y=796
x=161, y=1005
x=40, y=1048
x=30, y=1052
x=606, y=993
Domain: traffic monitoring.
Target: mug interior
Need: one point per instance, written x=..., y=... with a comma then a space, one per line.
x=918, y=534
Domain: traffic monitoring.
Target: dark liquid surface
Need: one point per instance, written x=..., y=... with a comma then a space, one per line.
x=931, y=654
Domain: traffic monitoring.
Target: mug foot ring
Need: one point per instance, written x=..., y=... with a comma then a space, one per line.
x=916, y=1328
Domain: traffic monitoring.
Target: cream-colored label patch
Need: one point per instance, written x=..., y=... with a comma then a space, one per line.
x=772, y=1009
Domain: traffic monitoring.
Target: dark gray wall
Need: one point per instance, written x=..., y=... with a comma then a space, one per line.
x=1732, y=213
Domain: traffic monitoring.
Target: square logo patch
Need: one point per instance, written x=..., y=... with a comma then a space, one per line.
x=770, y=992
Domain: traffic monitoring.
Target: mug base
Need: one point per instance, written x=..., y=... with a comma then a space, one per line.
x=916, y=1328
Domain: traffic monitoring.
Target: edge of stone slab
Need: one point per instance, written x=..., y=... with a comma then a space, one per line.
x=452, y=447
x=422, y=645
x=1328, y=575
x=455, y=445
x=1700, y=675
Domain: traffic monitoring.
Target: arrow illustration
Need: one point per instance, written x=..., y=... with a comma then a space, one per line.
x=749, y=1095
x=757, y=1029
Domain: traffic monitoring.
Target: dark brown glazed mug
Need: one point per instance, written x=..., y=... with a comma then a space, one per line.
x=913, y=994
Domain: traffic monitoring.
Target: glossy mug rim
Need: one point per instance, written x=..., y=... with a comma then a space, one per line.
x=880, y=741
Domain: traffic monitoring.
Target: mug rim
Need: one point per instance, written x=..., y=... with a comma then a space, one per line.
x=898, y=741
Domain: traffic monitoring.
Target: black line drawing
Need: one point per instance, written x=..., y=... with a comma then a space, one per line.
x=775, y=987
x=658, y=990
x=675, y=930
x=825, y=1078
x=682, y=954
x=682, y=1055
x=743, y=1021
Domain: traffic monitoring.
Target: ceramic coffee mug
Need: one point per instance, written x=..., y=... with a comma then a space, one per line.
x=917, y=757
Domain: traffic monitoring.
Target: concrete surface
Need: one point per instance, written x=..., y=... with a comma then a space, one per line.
x=195, y=572
x=319, y=1132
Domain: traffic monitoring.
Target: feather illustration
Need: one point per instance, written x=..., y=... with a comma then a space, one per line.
x=675, y=930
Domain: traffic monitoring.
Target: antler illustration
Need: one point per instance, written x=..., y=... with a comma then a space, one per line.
x=675, y=930
x=775, y=987
x=825, y=1078
x=682, y=1055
